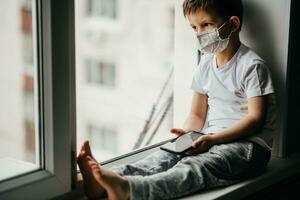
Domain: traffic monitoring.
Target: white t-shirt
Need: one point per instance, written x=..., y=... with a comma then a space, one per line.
x=229, y=88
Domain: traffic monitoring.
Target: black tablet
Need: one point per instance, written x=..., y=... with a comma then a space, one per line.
x=182, y=143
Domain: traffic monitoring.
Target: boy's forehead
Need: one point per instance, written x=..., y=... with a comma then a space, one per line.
x=201, y=16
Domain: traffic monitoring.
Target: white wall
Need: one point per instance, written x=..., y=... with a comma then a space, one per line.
x=265, y=30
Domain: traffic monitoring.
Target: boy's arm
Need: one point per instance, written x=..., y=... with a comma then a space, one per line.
x=197, y=116
x=247, y=126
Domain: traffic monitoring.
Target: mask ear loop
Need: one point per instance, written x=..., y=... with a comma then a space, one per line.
x=230, y=29
x=222, y=27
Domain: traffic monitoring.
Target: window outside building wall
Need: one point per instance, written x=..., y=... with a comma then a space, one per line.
x=102, y=73
x=102, y=8
x=103, y=138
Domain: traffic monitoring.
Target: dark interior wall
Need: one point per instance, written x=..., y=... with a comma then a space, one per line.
x=286, y=189
x=293, y=86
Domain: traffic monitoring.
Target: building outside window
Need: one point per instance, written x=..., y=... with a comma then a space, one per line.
x=124, y=71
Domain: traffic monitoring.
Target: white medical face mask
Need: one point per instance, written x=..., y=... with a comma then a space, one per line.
x=211, y=42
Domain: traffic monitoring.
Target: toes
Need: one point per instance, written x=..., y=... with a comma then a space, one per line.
x=85, y=155
x=92, y=162
x=81, y=154
x=84, y=166
x=81, y=149
x=87, y=148
x=95, y=167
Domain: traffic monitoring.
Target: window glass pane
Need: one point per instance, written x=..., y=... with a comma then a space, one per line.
x=124, y=74
x=18, y=132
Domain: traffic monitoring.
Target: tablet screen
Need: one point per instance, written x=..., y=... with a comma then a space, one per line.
x=182, y=143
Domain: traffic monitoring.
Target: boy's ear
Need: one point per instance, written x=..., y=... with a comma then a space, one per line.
x=235, y=23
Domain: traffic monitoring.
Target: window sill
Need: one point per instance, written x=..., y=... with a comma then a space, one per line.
x=11, y=167
x=278, y=170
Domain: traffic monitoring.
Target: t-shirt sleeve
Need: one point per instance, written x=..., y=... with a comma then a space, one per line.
x=257, y=81
x=197, y=86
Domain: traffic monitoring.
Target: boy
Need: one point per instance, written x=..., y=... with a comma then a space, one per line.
x=233, y=93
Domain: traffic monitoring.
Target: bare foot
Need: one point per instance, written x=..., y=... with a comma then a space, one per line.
x=97, y=180
x=116, y=186
x=92, y=187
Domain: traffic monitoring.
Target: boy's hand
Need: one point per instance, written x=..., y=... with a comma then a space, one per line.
x=201, y=145
x=177, y=131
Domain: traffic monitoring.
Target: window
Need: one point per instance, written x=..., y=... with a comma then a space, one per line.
x=37, y=99
x=124, y=74
x=102, y=73
x=102, y=8
x=19, y=136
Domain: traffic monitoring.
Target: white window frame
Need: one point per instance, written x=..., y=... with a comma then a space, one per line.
x=56, y=69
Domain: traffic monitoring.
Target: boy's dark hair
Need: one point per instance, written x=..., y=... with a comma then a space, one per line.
x=222, y=8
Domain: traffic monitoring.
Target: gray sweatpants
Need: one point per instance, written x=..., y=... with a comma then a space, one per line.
x=163, y=175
